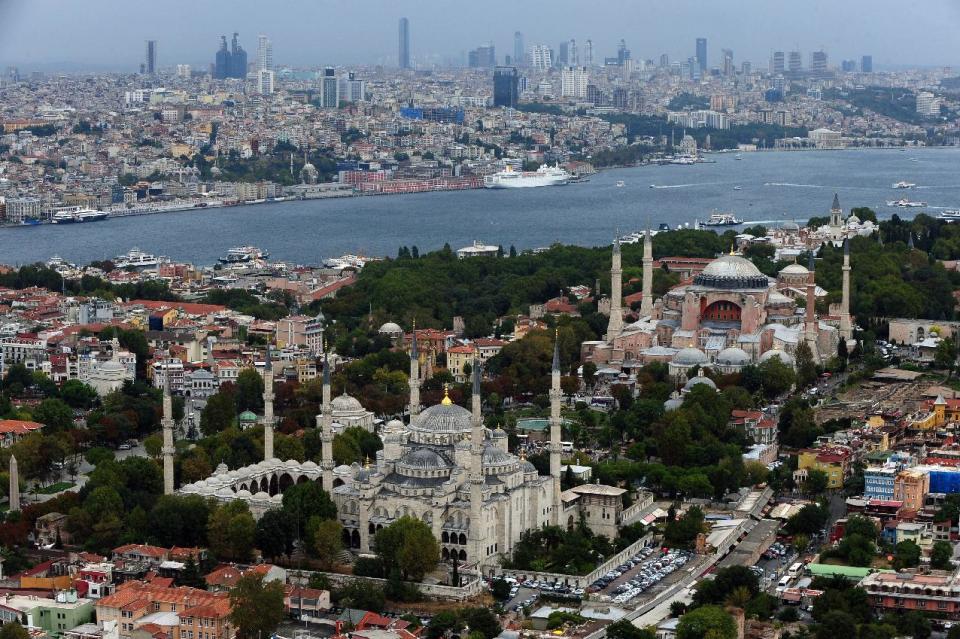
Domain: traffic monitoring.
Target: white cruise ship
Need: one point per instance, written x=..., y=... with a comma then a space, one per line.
x=243, y=254
x=77, y=215
x=511, y=179
x=136, y=259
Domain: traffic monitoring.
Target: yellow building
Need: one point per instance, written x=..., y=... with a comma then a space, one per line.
x=910, y=487
x=834, y=462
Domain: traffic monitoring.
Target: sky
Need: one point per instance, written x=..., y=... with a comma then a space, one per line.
x=95, y=35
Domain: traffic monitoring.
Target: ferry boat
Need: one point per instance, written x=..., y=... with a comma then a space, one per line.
x=136, y=259
x=620, y=183
x=346, y=261
x=903, y=185
x=78, y=214
x=905, y=203
x=950, y=215
x=512, y=179
x=722, y=219
x=243, y=254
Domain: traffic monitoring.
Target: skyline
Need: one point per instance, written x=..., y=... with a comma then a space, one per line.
x=74, y=39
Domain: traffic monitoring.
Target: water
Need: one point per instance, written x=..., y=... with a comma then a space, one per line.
x=775, y=187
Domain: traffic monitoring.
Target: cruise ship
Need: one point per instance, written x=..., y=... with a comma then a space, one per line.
x=136, y=259
x=905, y=203
x=903, y=185
x=950, y=215
x=78, y=214
x=512, y=179
x=722, y=219
x=243, y=254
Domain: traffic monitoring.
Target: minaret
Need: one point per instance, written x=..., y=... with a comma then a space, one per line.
x=268, y=407
x=810, y=335
x=846, y=327
x=414, y=380
x=167, y=425
x=325, y=420
x=555, y=425
x=615, y=325
x=646, y=302
x=14, y=485
x=476, y=471
x=836, y=213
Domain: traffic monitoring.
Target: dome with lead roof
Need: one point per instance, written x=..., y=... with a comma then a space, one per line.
x=345, y=404
x=689, y=356
x=424, y=459
x=731, y=272
x=733, y=357
x=444, y=418
x=776, y=352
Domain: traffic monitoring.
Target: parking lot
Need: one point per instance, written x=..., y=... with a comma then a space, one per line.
x=645, y=574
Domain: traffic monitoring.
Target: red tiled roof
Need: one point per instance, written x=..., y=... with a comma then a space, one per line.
x=18, y=426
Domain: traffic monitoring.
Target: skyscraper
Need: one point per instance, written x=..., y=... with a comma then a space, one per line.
x=541, y=57
x=518, y=58
x=702, y=54
x=866, y=64
x=150, y=66
x=221, y=65
x=505, y=89
x=623, y=53
x=818, y=62
x=329, y=89
x=573, y=82
x=404, y=57
x=265, y=82
x=728, y=68
x=574, y=56
x=795, y=62
x=588, y=53
x=777, y=62
x=483, y=57
x=230, y=63
x=264, y=53
x=563, y=58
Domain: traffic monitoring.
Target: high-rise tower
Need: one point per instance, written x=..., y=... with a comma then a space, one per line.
x=702, y=54
x=264, y=53
x=810, y=323
x=150, y=60
x=519, y=52
x=404, y=53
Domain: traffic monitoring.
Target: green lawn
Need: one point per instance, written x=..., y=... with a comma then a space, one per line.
x=55, y=488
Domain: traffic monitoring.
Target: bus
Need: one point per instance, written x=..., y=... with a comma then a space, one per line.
x=795, y=569
x=783, y=583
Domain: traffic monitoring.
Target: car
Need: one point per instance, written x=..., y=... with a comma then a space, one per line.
x=123, y=447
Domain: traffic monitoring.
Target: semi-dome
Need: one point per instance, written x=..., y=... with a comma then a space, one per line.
x=731, y=272
x=733, y=356
x=493, y=456
x=794, y=269
x=689, y=356
x=776, y=298
x=345, y=404
x=424, y=459
x=776, y=352
x=444, y=418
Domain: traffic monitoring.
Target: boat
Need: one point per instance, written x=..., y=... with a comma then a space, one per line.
x=903, y=185
x=738, y=188
x=512, y=179
x=346, y=261
x=722, y=219
x=905, y=203
x=683, y=159
x=951, y=215
x=738, y=157
x=136, y=259
x=243, y=254
x=620, y=183
x=77, y=215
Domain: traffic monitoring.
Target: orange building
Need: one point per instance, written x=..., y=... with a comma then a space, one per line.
x=135, y=607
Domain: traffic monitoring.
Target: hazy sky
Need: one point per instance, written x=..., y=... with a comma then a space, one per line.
x=110, y=34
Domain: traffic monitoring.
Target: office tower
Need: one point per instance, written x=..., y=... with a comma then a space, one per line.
x=264, y=53
x=928, y=104
x=329, y=89
x=540, y=57
x=818, y=62
x=795, y=62
x=623, y=53
x=620, y=98
x=728, y=68
x=150, y=67
x=848, y=66
x=265, y=82
x=352, y=88
x=702, y=54
x=483, y=57
x=866, y=64
x=563, y=59
x=184, y=71
x=238, y=58
x=573, y=82
x=404, y=43
x=664, y=61
x=518, y=48
x=777, y=64
x=694, y=65
x=746, y=67
x=572, y=52
x=221, y=65
x=505, y=87
x=588, y=53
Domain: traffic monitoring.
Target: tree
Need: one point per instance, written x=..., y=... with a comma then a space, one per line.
x=500, y=588
x=306, y=500
x=945, y=355
x=408, y=547
x=249, y=395
x=256, y=606
x=54, y=414
x=682, y=532
x=623, y=629
x=816, y=482
x=231, y=530
x=13, y=630
x=363, y=595
x=707, y=622
x=327, y=540
x=77, y=394
x=954, y=632
x=190, y=575
x=940, y=556
x=275, y=533
x=442, y=623
x=806, y=367
x=906, y=555
x=837, y=623
x=218, y=414
x=482, y=621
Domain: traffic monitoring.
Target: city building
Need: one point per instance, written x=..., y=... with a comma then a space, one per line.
x=795, y=62
x=264, y=54
x=777, y=63
x=818, y=63
x=701, y=54
x=573, y=82
x=928, y=104
x=265, y=79
x=181, y=612
x=866, y=64
x=150, y=64
x=540, y=57
x=505, y=87
x=232, y=62
x=329, y=89
x=483, y=57
x=518, y=49
x=404, y=50
x=934, y=593
x=834, y=462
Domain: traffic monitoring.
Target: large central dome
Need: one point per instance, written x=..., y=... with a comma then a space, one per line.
x=732, y=272
x=444, y=418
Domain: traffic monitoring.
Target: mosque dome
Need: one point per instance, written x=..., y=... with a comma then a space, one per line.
x=731, y=272
x=776, y=352
x=345, y=404
x=794, y=269
x=493, y=456
x=776, y=298
x=424, y=459
x=689, y=356
x=444, y=418
x=733, y=357
x=700, y=379
x=673, y=403
x=392, y=329
x=790, y=227
x=527, y=467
